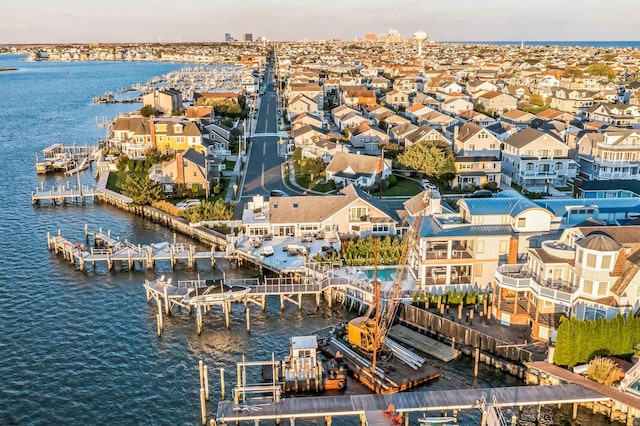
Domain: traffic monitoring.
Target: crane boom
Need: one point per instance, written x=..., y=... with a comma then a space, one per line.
x=393, y=300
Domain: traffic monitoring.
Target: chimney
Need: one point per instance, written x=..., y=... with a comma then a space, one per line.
x=152, y=130
x=513, y=251
x=455, y=133
x=180, y=168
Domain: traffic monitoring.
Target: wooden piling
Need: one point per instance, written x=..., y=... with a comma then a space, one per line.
x=222, y=384
x=160, y=324
x=201, y=373
x=475, y=363
x=575, y=411
x=248, y=320
x=206, y=382
x=226, y=305
x=203, y=406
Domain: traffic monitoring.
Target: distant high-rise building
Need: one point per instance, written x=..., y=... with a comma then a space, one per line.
x=227, y=37
x=370, y=37
x=248, y=37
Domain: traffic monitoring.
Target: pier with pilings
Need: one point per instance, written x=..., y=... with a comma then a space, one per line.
x=406, y=407
x=112, y=250
x=64, y=195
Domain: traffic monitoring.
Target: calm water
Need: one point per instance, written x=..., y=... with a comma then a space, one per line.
x=81, y=347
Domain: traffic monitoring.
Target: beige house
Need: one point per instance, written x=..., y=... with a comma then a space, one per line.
x=301, y=104
x=367, y=137
x=308, y=134
x=188, y=170
x=304, y=119
x=166, y=100
x=353, y=212
x=310, y=90
x=472, y=139
x=497, y=102
x=588, y=273
x=424, y=133
x=397, y=99
x=572, y=101
x=534, y=160
x=360, y=170
x=476, y=171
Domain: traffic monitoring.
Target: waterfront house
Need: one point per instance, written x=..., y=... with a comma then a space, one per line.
x=188, y=170
x=533, y=160
x=351, y=213
x=588, y=272
x=357, y=169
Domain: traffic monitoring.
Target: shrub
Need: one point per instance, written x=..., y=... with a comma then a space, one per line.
x=605, y=371
x=491, y=186
x=392, y=180
x=167, y=207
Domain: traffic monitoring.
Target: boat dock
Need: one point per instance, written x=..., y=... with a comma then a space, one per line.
x=64, y=158
x=372, y=407
x=110, y=250
x=65, y=194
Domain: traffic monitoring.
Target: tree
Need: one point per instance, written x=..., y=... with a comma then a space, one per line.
x=209, y=210
x=122, y=162
x=572, y=72
x=537, y=99
x=313, y=166
x=152, y=155
x=141, y=189
x=433, y=158
x=601, y=70
x=149, y=110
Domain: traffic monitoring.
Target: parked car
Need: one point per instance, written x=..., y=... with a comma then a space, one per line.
x=481, y=193
x=425, y=184
x=267, y=251
x=278, y=193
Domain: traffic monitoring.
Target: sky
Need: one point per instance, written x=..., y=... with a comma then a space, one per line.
x=118, y=21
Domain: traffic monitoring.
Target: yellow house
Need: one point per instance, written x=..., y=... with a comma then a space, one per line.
x=172, y=136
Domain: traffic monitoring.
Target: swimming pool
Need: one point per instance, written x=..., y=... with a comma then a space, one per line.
x=384, y=274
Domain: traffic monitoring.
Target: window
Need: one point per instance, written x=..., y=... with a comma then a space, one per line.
x=529, y=166
x=503, y=246
x=579, y=258
x=602, y=288
x=522, y=222
x=606, y=261
x=587, y=286
x=557, y=152
x=558, y=166
x=591, y=260
x=480, y=247
x=381, y=228
x=358, y=214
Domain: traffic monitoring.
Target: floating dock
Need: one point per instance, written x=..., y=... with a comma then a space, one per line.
x=69, y=159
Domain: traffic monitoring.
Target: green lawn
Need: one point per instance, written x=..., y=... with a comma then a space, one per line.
x=318, y=183
x=116, y=180
x=533, y=109
x=229, y=164
x=403, y=187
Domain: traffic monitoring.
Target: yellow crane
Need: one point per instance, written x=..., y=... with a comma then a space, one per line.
x=369, y=333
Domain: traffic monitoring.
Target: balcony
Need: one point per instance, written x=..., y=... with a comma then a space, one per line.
x=519, y=277
x=363, y=218
x=440, y=251
x=534, y=174
x=559, y=249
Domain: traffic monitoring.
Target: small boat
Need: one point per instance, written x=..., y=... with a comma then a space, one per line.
x=211, y=291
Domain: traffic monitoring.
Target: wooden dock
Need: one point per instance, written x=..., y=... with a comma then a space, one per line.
x=110, y=251
x=405, y=403
x=65, y=194
x=65, y=158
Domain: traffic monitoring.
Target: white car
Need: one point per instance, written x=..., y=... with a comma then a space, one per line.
x=425, y=184
x=267, y=251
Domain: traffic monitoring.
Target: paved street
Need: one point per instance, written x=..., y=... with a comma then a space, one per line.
x=265, y=164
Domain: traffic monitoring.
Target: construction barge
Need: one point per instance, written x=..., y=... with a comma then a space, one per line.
x=397, y=368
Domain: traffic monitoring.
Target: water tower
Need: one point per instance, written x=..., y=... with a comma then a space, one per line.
x=420, y=37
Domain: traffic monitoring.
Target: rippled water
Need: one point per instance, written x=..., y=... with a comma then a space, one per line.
x=81, y=347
